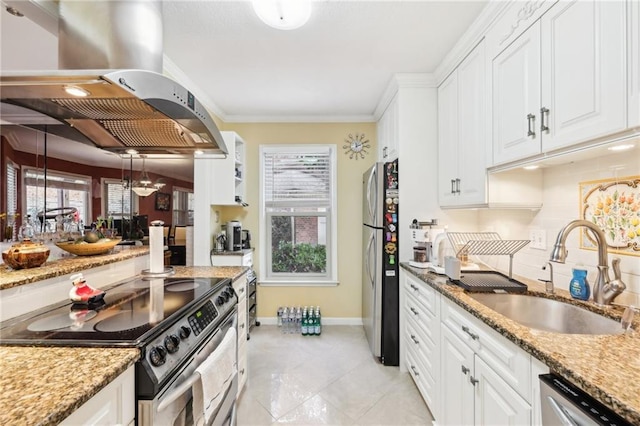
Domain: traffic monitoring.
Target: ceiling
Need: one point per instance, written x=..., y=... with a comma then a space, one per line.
x=335, y=68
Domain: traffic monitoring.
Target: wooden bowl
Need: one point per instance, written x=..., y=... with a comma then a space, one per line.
x=88, y=249
x=25, y=255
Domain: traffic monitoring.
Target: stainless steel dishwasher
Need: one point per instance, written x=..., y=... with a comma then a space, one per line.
x=564, y=404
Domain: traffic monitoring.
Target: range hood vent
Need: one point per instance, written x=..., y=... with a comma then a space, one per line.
x=128, y=105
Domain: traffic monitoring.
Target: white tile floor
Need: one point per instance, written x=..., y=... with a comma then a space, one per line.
x=330, y=379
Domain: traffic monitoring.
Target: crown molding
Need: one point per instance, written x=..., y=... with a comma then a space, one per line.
x=299, y=119
x=489, y=15
x=399, y=81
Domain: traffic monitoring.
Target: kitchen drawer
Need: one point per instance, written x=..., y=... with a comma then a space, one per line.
x=417, y=372
x=424, y=347
x=422, y=293
x=508, y=360
x=252, y=299
x=426, y=323
x=243, y=372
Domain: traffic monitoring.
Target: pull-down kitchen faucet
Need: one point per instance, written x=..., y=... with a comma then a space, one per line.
x=604, y=290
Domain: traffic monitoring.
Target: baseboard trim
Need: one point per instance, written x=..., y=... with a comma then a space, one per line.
x=325, y=321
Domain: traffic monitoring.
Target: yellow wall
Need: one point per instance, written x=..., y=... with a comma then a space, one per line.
x=343, y=301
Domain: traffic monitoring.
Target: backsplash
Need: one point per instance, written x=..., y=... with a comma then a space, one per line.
x=561, y=204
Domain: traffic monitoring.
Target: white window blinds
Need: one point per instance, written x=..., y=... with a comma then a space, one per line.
x=118, y=199
x=12, y=188
x=297, y=178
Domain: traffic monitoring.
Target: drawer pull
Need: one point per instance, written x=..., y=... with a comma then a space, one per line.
x=416, y=341
x=466, y=330
x=242, y=371
x=473, y=380
x=465, y=370
x=414, y=311
x=242, y=290
x=242, y=325
x=413, y=287
x=415, y=371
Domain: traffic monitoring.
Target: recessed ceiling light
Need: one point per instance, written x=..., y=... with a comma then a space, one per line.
x=131, y=151
x=76, y=91
x=532, y=167
x=198, y=152
x=621, y=147
x=283, y=14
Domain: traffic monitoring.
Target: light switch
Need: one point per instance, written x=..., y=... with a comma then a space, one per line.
x=538, y=238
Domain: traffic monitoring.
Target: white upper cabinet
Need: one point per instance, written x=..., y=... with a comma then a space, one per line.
x=583, y=72
x=462, y=142
x=516, y=98
x=634, y=63
x=225, y=177
x=389, y=132
x=561, y=82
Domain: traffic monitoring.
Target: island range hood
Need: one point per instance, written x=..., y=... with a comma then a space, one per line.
x=109, y=90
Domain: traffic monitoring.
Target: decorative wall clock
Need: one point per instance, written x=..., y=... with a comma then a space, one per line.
x=356, y=146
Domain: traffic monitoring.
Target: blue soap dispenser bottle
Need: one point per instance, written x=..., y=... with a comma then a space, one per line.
x=579, y=286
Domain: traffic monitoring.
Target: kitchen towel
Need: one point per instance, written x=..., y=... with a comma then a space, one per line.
x=216, y=375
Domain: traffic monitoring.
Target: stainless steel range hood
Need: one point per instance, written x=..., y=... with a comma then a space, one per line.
x=126, y=105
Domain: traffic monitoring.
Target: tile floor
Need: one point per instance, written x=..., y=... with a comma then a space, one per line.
x=330, y=379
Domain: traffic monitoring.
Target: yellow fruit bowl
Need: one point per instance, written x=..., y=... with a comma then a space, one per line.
x=89, y=249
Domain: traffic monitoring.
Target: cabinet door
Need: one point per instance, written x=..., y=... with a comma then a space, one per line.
x=448, y=140
x=516, y=98
x=472, y=143
x=496, y=402
x=394, y=129
x=382, y=137
x=456, y=391
x=583, y=71
x=634, y=63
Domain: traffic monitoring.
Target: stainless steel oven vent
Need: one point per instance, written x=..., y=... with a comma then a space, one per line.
x=109, y=108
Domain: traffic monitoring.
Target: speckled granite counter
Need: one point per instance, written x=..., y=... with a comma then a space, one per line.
x=42, y=386
x=607, y=367
x=233, y=253
x=10, y=278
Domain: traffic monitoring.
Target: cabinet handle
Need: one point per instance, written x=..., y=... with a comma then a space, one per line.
x=242, y=325
x=544, y=127
x=242, y=290
x=466, y=330
x=415, y=371
x=413, y=287
x=242, y=371
x=473, y=380
x=414, y=339
x=531, y=119
x=384, y=152
x=458, y=186
x=465, y=370
x=414, y=311
x=453, y=186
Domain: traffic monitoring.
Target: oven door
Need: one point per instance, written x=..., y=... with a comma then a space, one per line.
x=173, y=404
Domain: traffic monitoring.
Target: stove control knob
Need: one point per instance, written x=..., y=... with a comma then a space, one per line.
x=231, y=291
x=225, y=294
x=172, y=343
x=184, y=332
x=157, y=355
x=220, y=301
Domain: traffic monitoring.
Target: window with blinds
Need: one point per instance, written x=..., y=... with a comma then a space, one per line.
x=298, y=210
x=12, y=188
x=182, y=206
x=63, y=190
x=116, y=199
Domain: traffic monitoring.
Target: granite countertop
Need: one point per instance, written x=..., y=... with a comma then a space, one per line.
x=605, y=366
x=232, y=253
x=12, y=278
x=42, y=386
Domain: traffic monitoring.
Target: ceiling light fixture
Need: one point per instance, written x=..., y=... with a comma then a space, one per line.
x=621, y=147
x=76, y=91
x=143, y=186
x=531, y=167
x=283, y=14
x=15, y=12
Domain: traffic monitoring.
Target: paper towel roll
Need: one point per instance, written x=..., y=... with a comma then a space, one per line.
x=156, y=249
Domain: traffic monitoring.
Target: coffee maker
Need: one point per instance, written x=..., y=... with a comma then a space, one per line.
x=234, y=236
x=423, y=235
x=246, y=239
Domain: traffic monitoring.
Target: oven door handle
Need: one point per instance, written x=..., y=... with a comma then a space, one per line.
x=178, y=392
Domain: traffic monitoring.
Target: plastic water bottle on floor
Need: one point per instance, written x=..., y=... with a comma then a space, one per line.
x=285, y=321
x=304, y=327
x=299, y=320
x=280, y=311
x=318, y=324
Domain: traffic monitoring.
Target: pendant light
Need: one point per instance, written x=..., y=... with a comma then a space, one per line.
x=143, y=186
x=283, y=14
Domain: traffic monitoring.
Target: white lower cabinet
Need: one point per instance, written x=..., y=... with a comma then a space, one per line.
x=467, y=373
x=239, y=259
x=240, y=287
x=114, y=404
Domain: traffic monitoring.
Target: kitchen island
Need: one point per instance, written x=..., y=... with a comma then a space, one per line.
x=44, y=385
x=605, y=366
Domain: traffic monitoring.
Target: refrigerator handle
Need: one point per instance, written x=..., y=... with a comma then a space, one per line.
x=368, y=257
x=372, y=208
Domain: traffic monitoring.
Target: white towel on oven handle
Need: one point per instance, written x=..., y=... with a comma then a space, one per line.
x=216, y=374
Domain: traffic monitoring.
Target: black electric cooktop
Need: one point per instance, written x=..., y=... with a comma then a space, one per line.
x=130, y=313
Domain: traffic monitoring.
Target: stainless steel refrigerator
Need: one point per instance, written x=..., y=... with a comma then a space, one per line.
x=380, y=277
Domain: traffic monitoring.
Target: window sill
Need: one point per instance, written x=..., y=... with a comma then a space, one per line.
x=306, y=283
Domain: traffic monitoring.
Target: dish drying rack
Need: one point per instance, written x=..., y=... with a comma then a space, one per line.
x=484, y=243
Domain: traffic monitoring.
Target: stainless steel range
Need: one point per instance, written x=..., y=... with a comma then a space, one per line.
x=175, y=322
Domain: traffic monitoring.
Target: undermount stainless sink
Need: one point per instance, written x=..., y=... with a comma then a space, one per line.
x=548, y=314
